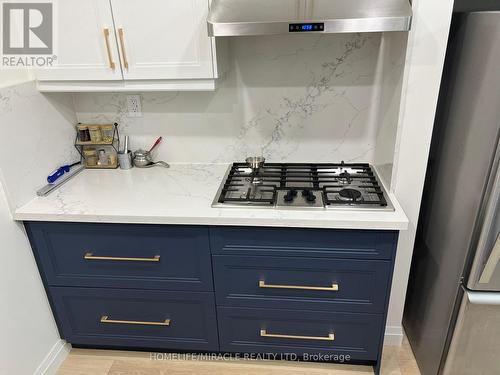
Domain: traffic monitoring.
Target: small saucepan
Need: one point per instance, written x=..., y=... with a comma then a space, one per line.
x=144, y=159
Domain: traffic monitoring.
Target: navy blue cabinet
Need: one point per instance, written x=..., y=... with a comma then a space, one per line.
x=292, y=242
x=301, y=332
x=137, y=318
x=262, y=290
x=301, y=283
x=123, y=256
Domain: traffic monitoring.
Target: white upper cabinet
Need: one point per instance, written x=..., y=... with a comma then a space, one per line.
x=163, y=39
x=131, y=45
x=86, y=43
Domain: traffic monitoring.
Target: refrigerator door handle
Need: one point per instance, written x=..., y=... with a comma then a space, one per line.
x=483, y=298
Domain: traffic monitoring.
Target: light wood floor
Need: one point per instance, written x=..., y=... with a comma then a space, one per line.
x=396, y=361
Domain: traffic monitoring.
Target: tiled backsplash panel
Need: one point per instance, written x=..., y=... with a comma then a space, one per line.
x=289, y=98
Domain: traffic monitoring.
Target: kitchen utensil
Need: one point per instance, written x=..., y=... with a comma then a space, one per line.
x=158, y=141
x=156, y=164
x=54, y=176
x=125, y=146
x=125, y=160
x=74, y=170
x=255, y=162
x=143, y=159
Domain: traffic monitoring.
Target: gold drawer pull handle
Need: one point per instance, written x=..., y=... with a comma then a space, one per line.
x=112, y=64
x=263, y=333
x=333, y=288
x=122, y=45
x=105, y=319
x=90, y=256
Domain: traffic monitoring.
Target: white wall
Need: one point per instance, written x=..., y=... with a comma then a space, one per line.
x=29, y=340
x=392, y=60
x=421, y=82
x=10, y=77
x=37, y=132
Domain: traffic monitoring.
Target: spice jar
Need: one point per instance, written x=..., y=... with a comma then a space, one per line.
x=112, y=159
x=83, y=134
x=107, y=133
x=103, y=158
x=91, y=161
x=90, y=155
x=95, y=134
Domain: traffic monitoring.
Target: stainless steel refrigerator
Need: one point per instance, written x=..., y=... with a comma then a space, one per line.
x=452, y=312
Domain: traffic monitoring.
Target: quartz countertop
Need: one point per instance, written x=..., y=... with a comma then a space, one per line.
x=182, y=194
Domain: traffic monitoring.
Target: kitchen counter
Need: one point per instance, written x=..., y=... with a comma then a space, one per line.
x=182, y=194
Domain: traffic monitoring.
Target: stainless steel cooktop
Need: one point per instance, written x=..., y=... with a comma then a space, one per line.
x=302, y=186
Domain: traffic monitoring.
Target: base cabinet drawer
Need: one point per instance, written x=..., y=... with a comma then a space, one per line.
x=136, y=318
x=296, y=242
x=123, y=256
x=302, y=283
x=300, y=332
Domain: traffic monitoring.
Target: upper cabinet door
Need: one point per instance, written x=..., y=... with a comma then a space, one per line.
x=163, y=39
x=85, y=43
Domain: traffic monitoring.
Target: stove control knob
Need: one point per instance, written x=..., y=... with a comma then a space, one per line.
x=290, y=196
x=306, y=192
x=311, y=197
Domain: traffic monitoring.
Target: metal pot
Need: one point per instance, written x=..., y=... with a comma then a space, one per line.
x=255, y=162
x=143, y=159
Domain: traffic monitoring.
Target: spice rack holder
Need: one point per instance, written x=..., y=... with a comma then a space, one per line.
x=109, y=139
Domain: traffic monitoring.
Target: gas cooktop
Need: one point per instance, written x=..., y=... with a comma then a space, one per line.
x=301, y=185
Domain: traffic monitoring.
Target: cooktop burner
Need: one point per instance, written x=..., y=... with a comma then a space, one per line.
x=297, y=185
x=349, y=195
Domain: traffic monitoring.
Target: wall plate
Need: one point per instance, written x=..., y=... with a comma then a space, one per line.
x=134, y=106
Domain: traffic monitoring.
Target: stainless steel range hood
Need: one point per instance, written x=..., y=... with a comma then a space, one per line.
x=263, y=17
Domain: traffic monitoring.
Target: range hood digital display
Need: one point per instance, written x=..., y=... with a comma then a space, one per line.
x=304, y=27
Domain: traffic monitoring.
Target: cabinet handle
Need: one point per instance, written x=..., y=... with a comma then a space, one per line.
x=90, y=256
x=105, y=319
x=333, y=288
x=112, y=64
x=122, y=45
x=330, y=337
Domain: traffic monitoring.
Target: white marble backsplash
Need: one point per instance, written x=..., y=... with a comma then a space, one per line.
x=37, y=136
x=289, y=98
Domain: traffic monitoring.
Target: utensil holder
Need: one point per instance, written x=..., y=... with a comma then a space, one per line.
x=125, y=160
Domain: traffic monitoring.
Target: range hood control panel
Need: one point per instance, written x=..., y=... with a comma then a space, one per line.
x=306, y=27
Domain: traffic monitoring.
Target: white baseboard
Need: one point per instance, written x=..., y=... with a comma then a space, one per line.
x=393, y=335
x=54, y=359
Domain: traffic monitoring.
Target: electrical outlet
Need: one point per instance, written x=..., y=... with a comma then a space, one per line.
x=134, y=106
